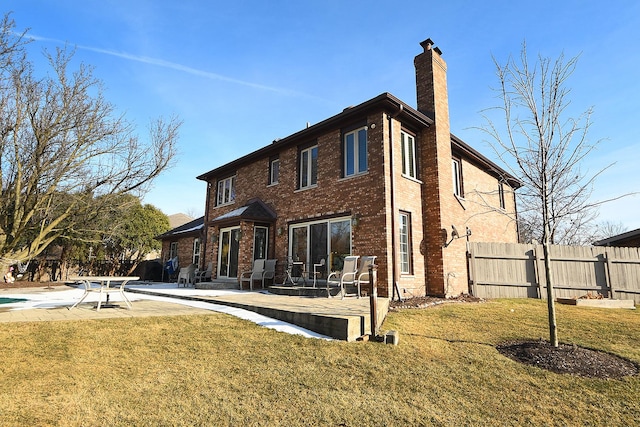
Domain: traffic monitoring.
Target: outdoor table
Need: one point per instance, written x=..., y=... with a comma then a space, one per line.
x=298, y=271
x=105, y=288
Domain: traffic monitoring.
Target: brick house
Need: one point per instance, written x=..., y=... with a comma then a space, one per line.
x=380, y=178
x=183, y=242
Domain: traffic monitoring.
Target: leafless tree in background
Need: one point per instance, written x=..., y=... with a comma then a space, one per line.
x=544, y=150
x=65, y=153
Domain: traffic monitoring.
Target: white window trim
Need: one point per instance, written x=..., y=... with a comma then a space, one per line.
x=173, y=250
x=456, y=176
x=196, y=251
x=309, y=169
x=405, y=230
x=308, y=224
x=502, y=200
x=356, y=152
x=266, y=247
x=220, y=197
x=273, y=181
x=408, y=148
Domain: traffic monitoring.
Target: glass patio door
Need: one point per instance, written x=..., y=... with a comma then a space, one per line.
x=329, y=240
x=228, y=254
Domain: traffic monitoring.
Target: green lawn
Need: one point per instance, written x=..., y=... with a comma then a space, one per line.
x=219, y=370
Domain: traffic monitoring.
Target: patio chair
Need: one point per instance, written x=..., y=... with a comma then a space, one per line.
x=362, y=276
x=255, y=273
x=186, y=275
x=317, y=271
x=204, y=275
x=346, y=276
x=269, y=271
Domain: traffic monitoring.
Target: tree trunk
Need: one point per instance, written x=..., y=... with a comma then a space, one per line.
x=551, y=306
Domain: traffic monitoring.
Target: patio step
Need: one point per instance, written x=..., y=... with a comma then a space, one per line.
x=303, y=291
x=218, y=284
x=343, y=319
x=310, y=291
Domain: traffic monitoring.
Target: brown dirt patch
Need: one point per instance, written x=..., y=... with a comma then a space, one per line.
x=26, y=284
x=569, y=359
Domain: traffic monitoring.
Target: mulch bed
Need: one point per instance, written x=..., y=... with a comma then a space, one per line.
x=569, y=359
x=564, y=359
x=425, y=302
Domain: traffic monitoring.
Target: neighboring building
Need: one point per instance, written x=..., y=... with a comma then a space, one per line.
x=176, y=220
x=183, y=242
x=627, y=239
x=380, y=178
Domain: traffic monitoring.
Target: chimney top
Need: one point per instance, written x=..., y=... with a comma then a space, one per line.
x=428, y=45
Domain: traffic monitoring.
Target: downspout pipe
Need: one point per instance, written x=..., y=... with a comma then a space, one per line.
x=394, y=228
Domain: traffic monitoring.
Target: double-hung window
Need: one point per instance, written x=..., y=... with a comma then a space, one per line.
x=355, y=152
x=405, y=242
x=274, y=170
x=456, y=175
x=408, y=143
x=309, y=167
x=226, y=191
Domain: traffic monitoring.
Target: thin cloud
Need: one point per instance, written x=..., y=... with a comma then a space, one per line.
x=174, y=66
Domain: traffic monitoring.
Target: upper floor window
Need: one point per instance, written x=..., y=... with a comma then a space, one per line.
x=408, y=143
x=456, y=174
x=274, y=171
x=503, y=205
x=355, y=152
x=309, y=167
x=226, y=190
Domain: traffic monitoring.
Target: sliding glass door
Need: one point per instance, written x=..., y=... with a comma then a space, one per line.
x=314, y=241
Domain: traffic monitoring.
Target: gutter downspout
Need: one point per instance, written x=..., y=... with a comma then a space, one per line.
x=394, y=252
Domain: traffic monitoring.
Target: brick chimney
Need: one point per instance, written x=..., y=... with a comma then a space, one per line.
x=431, y=82
x=437, y=197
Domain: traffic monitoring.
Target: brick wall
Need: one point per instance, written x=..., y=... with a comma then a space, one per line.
x=362, y=196
x=185, y=249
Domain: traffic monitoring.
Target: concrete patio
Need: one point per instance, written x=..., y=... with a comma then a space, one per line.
x=344, y=319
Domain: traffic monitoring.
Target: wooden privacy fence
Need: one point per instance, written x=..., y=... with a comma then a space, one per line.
x=510, y=270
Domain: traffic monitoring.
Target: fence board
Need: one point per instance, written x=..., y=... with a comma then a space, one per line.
x=508, y=270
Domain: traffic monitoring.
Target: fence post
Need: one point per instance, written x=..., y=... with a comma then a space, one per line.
x=471, y=256
x=373, y=297
x=536, y=270
x=608, y=267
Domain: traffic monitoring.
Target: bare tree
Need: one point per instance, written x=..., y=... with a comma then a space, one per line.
x=64, y=152
x=605, y=229
x=543, y=148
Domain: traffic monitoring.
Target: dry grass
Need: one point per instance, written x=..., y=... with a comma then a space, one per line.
x=219, y=370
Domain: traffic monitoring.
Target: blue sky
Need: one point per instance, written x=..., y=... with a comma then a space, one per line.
x=243, y=73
